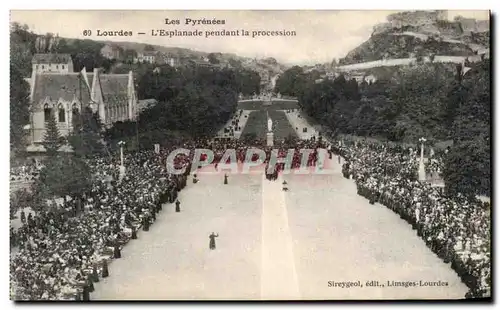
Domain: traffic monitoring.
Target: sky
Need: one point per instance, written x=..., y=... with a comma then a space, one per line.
x=320, y=35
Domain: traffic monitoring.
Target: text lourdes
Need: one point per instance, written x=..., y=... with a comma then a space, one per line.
x=194, y=22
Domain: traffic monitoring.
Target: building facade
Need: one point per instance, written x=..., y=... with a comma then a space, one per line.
x=111, y=51
x=64, y=95
x=147, y=57
x=52, y=63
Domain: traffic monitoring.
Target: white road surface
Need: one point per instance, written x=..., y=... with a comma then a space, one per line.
x=276, y=245
x=299, y=123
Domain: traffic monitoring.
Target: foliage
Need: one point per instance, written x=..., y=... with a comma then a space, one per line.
x=86, y=137
x=434, y=100
x=213, y=59
x=292, y=82
x=52, y=140
x=85, y=53
x=192, y=102
x=62, y=175
x=19, y=107
x=467, y=169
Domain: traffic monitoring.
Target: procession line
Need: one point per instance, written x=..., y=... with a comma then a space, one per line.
x=278, y=272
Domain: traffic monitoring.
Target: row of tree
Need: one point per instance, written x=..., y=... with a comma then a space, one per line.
x=191, y=101
x=436, y=101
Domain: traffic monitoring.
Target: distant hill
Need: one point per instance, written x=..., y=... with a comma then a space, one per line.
x=419, y=34
x=25, y=43
x=139, y=47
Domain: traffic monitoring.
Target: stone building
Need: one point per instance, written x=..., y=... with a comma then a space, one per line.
x=64, y=95
x=416, y=18
x=112, y=51
x=52, y=63
x=147, y=57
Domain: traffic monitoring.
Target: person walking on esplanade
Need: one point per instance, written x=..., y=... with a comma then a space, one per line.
x=212, y=240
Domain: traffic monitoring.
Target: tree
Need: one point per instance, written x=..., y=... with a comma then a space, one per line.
x=291, y=82
x=63, y=175
x=467, y=169
x=149, y=48
x=213, y=59
x=19, y=111
x=52, y=140
x=86, y=138
x=129, y=55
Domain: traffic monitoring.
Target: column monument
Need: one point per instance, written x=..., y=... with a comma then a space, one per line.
x=270, y=134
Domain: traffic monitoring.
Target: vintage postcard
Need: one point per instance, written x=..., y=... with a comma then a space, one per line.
x=250, y=155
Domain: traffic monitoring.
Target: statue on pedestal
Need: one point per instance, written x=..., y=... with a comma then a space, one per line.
x=269, y=124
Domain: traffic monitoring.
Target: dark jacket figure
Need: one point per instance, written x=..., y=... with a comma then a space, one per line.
x=116, y=252
x=105, y=270
x=95, y=274
x=145, y=223
x=134, y=233
x=177, y=206
x=23, y=217
x=225, y=179
x=195, y=178
x=212, y=241
x=86, y=293
x=90, y=284
x=153, y=214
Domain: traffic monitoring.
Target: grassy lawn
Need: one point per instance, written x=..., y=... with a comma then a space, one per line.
x=257, y=125
x=276, y=105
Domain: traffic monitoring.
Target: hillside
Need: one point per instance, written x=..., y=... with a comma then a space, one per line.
x=419, y=34
x=25, y=43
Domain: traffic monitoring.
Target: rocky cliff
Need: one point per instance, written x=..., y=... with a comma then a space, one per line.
x=422, y=33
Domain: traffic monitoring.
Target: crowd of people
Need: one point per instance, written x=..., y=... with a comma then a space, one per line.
x=61, y=250
x=25, y=173
x=233, y=125
x=457, y=229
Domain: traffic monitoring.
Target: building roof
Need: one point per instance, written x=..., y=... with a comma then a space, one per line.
x=51, y=58
x=60, y=86
x=150, y=53
x=112, y=46
x=114, y=87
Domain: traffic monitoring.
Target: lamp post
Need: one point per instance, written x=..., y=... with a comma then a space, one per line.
x=121, y=144
x=422, y=141
x=122, y=166
x=421, y=168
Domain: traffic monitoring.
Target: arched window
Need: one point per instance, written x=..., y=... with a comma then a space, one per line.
x=57, y=66
x=47, y=112
x=63, y=67
x=75, y=114
x=75, y=110
x=43, y=67
x=62, y=114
